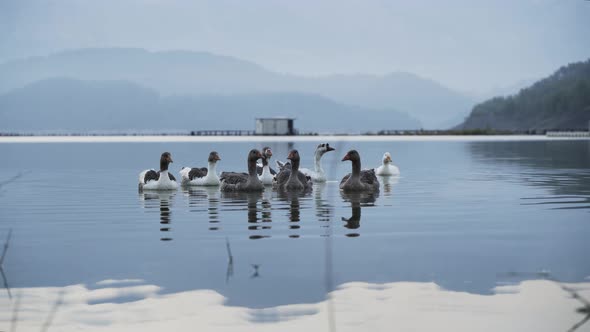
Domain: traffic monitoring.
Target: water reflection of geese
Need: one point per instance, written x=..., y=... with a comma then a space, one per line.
x=324, y=210
x=357, y=199
x=388, y=183
x=266, y=206
x=251, y=199
x=294, y=209
x=203, y=199
x=161, y=200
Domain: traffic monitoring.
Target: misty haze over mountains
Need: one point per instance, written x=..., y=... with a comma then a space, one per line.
x=120, y=88
x=69, y=105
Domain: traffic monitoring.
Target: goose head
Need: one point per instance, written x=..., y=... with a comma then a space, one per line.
x=386, y=158
x=266, y=153
x=323, y=148
x=293, y=156
x=165, y=160
x=213, y=157
x=352, y=155
x=254, y=155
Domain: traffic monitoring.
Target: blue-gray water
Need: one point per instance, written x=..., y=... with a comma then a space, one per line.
x=466, y=215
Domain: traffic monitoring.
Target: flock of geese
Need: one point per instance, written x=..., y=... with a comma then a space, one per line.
x=290, y=176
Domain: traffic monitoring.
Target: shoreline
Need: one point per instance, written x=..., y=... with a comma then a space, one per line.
x=204, y=139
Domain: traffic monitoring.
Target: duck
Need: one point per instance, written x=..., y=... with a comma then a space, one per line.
x=204, y=176
x=244, y=182
x=265, y=173
x=387, y=168
x=358, y=180
x=290, y=178
x=161, y=180
x=318, y=174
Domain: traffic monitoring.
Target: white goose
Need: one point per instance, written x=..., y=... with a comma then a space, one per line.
x=387, y=168
x=162, y=180
x=318, y=174
x=265, y=173
x=202, y=176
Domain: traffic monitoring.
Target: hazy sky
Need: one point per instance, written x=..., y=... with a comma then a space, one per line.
x=466, y=44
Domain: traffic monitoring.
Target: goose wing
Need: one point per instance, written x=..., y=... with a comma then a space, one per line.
x=308, y=172
x=281, y=165
x=305, y=179
x=259, y=170
x=282, y=177
x=233, y=177
x=344, y=179
x=197, y=173
x=170, y=176
x=151, y=175
x=368, y=176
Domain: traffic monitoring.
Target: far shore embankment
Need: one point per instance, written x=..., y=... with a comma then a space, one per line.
x=297, y=138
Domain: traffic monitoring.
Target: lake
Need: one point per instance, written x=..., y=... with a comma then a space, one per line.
x=467, y=215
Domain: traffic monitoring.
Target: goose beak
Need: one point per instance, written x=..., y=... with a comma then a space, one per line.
x=269, y=153
x=347, y=157
x=217, y=157
x=388, y=159
x=290, y=156
x=170, y=159
x=329, y=148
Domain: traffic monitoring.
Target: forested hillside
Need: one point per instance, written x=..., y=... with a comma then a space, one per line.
x=560, y=101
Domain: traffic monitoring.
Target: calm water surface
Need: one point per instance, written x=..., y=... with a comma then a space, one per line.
x=467, y=215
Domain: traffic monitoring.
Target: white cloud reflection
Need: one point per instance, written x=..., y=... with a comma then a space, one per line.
x=538, y=305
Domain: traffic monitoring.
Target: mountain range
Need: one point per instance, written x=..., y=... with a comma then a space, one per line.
x=68, y=105
x=126, y=85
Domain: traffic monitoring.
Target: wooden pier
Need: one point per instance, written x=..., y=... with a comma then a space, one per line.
x=223, y=133
x=568, y=134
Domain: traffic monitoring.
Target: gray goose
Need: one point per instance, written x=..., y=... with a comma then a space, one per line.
x=249, y=182
x=358, y=180
x=290, y=178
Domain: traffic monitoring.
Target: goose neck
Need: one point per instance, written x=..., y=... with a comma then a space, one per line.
x=252, y=168
x=356, y=168
x=317, y=163
x=164, y=165
x=294, y=165
x=211, y=168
